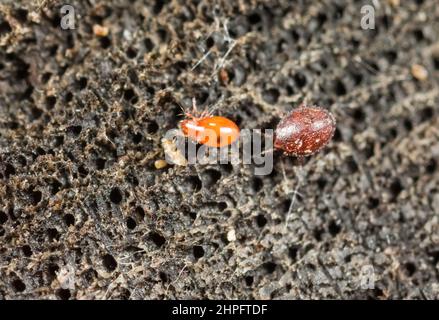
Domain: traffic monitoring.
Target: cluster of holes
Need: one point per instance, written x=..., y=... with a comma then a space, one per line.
x=105, y=42
x=83, y=172
x=317, y=233
x=337, y=135
x=55, y=186
x=221, y=206
x=40, y=151
x=436, y=62
x=369, y=150
x=407, y=123
x=53, y=234
x=63, y=294
x=130, y=95
x=358, y=115
x=411, y=268
x=3, y=217
x=392, y=133
x=269, y=267
x=373, y=202
x=391, y=55
x=140, y=213
x=116, y=195
x=300, y=80
x=35, y=196
x=69, y=219
x=148, y=44
x=68, y=97
x=109, y=262
x=261, y=221
x=45, y=77
x=5, y=27
x=193, y=215
x=53, y=49
x=210, y=42
x=82, y=83
x=339, y=88
x=287, y=203
x=36, y=113
x=9, y=170
x=137, y=137
x=52, y=269
x=131, y=53
x=163, y=276
x=434, y=256
x=351, y=165
x=293, y=251
x=157, y=239
x=162, y=34
x=18, y=285
x=396, y=188
x=198, y=252
x=158, y=6
x=131, y=223
x=210, y=178
x=194, y=183
x=333, y=228
x=249, y=280
x=100, y=163
x=431, y=166
x=426, y=114
x=74, y=130
x=20, y=14
x=89, y=275
x=27, y=251
x=50, y=102
x=257, y=184
x=418, y=34
x=271, y=96
x=321, y=183
x=152, y=127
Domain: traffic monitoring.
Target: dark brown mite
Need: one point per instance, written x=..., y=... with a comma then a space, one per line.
x=304, y=131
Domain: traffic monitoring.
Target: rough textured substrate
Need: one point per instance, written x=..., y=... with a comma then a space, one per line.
x=84, y=213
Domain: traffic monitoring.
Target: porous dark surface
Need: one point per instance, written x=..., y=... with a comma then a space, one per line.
x=85, y=214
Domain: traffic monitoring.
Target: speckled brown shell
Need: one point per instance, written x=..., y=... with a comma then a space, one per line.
x=304, y=131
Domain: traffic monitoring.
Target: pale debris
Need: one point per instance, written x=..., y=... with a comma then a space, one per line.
x=231, y=235
x=66, y=277
x=419, y=72
x=173, y=155
x=160, y=164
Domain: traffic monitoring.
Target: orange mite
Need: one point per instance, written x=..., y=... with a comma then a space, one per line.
x=213, y=131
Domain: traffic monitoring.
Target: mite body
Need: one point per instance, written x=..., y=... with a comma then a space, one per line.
x=304, y=131
x=213, y=131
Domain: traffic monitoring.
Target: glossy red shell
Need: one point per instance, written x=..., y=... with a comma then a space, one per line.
x=304, y=131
